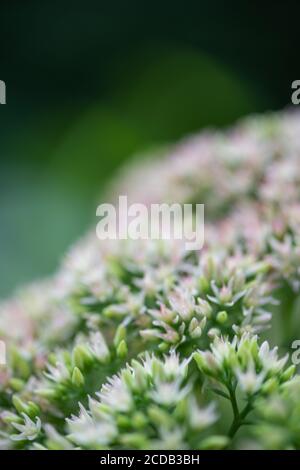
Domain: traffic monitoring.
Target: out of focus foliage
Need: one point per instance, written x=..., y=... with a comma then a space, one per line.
x=57, y=161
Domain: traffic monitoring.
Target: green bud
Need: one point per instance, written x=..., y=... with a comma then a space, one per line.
x=254, y=348
x=48, y=393
x=120, y=335
x=288, y=373
x=159, y=416
x=206, y=363
x=196, y=333
x=77, y=377
x=34, y=409
x=139, y=420
x=203, y=285
x=203, y=323
x=193, y=324
x=269, y=386
x=16, y=384
x=20, y=405
x=123, y=421
x=122, y=350
x=201, y=363
x=222, y=317
x=82, y=356
x=163, y=347
x=181, y=410
x=194, y=328
x=30, y=408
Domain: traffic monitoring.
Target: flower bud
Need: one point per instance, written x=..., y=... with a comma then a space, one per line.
x=204, y=307
x=77, y=377
x=288, y=373
x=122, y=349
x=16, y=384
x=20, y=405
x=222, y=317
x=269, y=386
x=120, y=335
x=82, y=357
x=48, y=393
x=194, y=328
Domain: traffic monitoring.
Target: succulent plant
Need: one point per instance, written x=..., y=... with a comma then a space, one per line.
x=142, y=344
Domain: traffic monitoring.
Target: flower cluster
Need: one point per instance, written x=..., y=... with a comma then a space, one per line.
x=142, y=344
x=242, y=371
x=149, y=404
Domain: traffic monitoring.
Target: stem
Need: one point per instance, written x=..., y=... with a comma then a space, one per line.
x=238, y=417
x=234, y=403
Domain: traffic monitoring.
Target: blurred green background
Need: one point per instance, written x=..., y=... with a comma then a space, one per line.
x=91, y=83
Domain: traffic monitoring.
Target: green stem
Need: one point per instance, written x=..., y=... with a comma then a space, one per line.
x=238, y=417
x=234, y=403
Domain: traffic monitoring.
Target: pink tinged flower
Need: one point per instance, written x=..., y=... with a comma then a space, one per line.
x=182, y=302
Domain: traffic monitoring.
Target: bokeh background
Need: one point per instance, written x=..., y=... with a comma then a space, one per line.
x=90, y=83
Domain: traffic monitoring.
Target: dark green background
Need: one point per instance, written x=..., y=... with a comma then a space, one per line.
x=89, y=83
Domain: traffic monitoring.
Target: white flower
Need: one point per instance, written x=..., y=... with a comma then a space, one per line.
x=98, y=346
x=58, y=373
x=223, y=350
x=28, y=431
x=116, y=394
x=86, y=431
x=200, y=418
x=183, y=303
x=171, y=367
x=169, y=393
x=170, y=439
x=174, y=367
x=269, y=358
x=249, y=381
x=225, y=295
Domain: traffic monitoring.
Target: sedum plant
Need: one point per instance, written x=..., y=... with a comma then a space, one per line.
x=144, y=345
